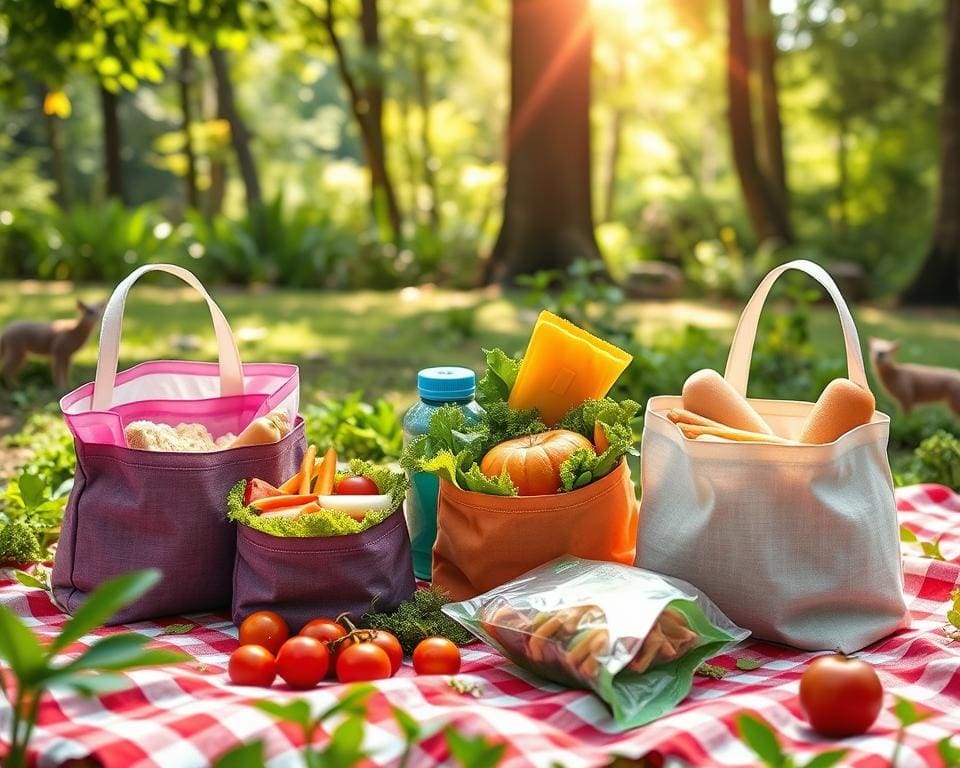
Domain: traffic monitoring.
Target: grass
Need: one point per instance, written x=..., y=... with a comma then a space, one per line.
x=377, y=341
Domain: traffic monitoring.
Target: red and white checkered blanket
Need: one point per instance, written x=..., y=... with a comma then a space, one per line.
x=189, y=714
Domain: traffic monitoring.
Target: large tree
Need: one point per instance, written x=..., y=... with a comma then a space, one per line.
x=547, y=212
x=765, y=206
x=938, y=280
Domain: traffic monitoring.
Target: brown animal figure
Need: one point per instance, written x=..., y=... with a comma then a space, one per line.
x=59, y=340
x=911, y=384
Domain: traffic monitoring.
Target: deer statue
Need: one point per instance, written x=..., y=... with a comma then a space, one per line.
x=58, y=339
x=910, y=384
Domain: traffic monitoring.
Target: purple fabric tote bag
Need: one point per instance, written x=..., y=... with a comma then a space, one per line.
x=132, y=509
x=304, y=578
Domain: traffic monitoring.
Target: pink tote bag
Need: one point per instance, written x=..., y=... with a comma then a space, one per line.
x=133, y=509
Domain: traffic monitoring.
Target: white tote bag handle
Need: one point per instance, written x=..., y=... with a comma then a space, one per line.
x=741, y=350
x=231, y=371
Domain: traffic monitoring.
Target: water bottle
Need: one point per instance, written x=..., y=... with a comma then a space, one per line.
x=445, y=385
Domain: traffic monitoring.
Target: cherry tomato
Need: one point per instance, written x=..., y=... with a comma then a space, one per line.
x=436, y=656
x=252, y=665
x=324, y=630
x=356, y=485
x=362, y=662
x=841, y=696
x=264, y=628
x=303, y=662
x=391, y=646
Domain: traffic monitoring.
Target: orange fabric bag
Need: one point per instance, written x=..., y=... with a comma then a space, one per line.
x=484, y=541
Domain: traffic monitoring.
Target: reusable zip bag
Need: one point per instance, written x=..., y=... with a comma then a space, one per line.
x=484, y=541
x=132, y=509
x=798, y=543
x=633, y=637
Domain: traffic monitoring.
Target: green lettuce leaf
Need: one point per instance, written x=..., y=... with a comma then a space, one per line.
x=474, y=480
x=498, y=380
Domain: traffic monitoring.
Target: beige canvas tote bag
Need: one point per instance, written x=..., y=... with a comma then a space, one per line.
x=798, y=543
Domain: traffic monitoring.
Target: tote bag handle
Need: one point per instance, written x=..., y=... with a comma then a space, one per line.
x=231, y=371
x=741, y=350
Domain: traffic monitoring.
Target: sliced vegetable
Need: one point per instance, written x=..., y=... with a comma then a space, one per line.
x=291, y=512
x=293, y=484
x=258, y=489
x=279, y=502
x=356, y=485
x=306, y=468
x=326, y=474
x=356, y=506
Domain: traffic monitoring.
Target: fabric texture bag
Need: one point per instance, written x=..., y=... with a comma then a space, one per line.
x=484, y=541
x=132, y=509
x=302, y=578
x=798, y=543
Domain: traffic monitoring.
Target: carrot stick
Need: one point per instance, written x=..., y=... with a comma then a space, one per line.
x=306, y=468
x=293, y=484
x=278, y=502
x=678, y=415
x=693, y=431
x=326, y=473
x=292, y=512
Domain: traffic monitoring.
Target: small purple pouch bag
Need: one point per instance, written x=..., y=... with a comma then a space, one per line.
x=303, y=578
x=132, y=509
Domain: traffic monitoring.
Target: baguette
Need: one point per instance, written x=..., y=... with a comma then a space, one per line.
x=710, y=395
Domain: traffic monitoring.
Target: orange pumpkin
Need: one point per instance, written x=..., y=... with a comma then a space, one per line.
x=533, y=462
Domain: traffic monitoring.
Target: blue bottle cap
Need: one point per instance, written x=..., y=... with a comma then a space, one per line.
x=446, y=383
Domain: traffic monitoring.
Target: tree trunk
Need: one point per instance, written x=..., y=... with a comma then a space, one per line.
x=938, y=281
x=426, y=143
x=774, y=164
x=187, y=75
x=239, y=134
x=547, y=216
x=112, y=144
x=58, y=166
x=767, y=218
x=381, y=186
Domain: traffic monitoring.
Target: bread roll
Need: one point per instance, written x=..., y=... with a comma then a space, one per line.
x=708, y=394
x=842, y=406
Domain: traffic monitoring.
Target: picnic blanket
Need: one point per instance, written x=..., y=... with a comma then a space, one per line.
x=188, y=715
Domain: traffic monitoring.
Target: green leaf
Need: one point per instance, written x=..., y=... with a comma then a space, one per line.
x=297, y=712
x=907, y=713
x=953, y=616
x=123, y=651
x=32, y=490
x=178, y=629
x=949, y=753
x=29, y=580
x=498, y=380
x=710, y=670
x=827, y=759
x=931, y=549
x=244, y=756
x=748, y=665
x=103, y=603
x=761, y=738
x=908, y=536
x=410, y=727
x=353, y=703
x=474, y=480
x=20, y=648
x=477, y=752
x=344, y=749
x=92, y=684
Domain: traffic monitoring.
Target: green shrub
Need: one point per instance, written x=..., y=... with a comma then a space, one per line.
x=356, y=429
x=935, y=460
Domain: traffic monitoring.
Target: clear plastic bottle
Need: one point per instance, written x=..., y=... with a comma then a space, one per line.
x=444, y=385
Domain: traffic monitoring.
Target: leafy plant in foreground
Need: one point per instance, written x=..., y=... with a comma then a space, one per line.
x=33, y=667
x=762, y=739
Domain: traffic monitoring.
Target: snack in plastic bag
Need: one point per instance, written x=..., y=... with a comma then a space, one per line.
x=633, y=637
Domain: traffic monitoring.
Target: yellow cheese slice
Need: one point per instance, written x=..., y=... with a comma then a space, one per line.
x=563, y=366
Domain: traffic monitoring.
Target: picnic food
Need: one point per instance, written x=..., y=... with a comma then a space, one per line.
x=356, y=484
x=708, y=394
x=842, y=406
x=840, y=696
x=252, y=665
x=271, y=428
x=564, y=366
x=264, y=628
x=303, y=662
x=363, y=662
x=324, y=630
x=696, y=427
x=632, y=636
x=436, y=656
x=418, y=618
x=533, y=462
x=190, y=438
